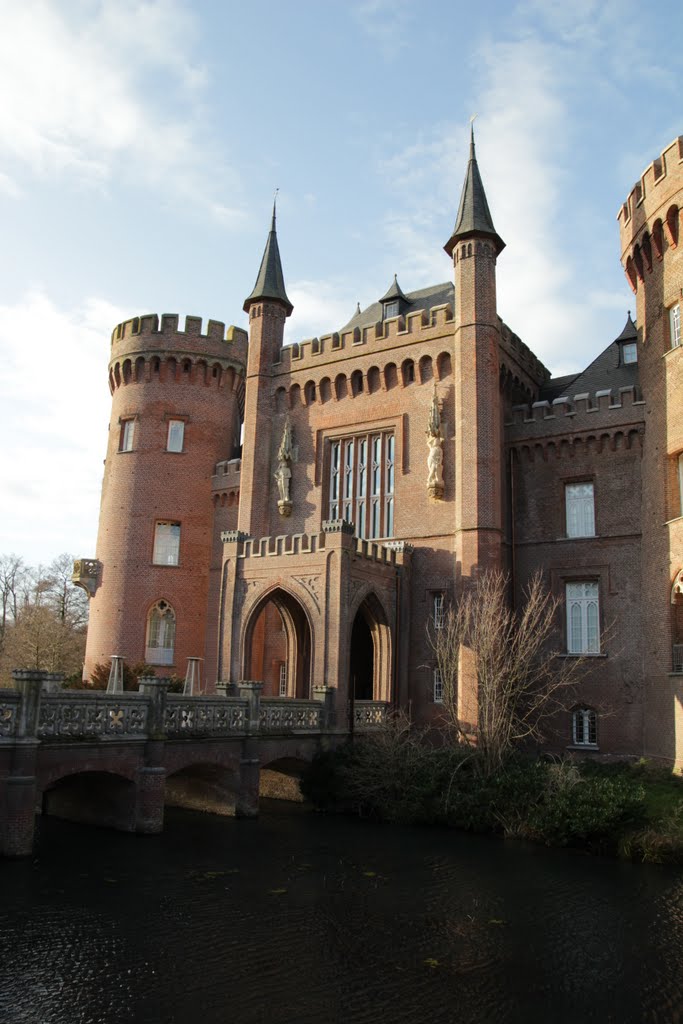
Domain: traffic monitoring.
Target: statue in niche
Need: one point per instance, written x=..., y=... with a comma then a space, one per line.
x=283, y=473
x=435, y=456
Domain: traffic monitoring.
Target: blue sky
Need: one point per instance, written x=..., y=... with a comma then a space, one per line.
x=141, y=142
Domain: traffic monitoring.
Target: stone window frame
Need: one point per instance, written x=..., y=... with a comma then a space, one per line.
x=157, y=627
x=578, y=482
x=163, y=553
x=675, y=332
x=584, y=603
x=437, y=686
x=127, y=432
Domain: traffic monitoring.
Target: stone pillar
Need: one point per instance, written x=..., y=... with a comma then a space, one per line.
x=326, y=695
x=156, y=690
x=247, y=803
x=16, y=836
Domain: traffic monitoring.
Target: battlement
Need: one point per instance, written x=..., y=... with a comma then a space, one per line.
x=149, y=332
x=418, y=326
x=660, y=183
x=385, y=553
x=604, y=408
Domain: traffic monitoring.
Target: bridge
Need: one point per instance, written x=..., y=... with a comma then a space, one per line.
x=117, y=759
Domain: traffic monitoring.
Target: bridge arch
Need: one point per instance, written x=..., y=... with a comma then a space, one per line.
x=277, y=645
x=92, y=797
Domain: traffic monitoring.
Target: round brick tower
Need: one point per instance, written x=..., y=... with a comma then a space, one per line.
x=651, y=229
x=177, y=406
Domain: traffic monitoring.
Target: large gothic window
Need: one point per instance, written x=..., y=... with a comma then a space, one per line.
x=361, y=483
x=160, y=634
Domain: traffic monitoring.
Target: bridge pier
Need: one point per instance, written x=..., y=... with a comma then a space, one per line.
x=150, y=786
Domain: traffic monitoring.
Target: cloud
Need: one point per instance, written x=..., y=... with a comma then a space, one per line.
x=81, y=97
x=526, y=87
x=56, y=403
x=320, y=307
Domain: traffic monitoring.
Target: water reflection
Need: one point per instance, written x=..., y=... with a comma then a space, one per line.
x=297, y=917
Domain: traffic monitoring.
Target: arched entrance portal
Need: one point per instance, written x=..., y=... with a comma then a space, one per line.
x=278, y=647
x=370, y=654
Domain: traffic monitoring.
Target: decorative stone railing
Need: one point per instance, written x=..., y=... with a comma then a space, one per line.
x=9, y=707
x=287, y=715
x=81, y=715
x=40, y=709
x=369, y=714
x=205, y=716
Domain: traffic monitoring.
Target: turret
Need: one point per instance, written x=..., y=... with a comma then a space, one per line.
x=177, y=399
x=268, y=307
x=474, y=245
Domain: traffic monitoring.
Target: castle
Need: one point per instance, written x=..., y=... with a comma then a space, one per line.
x=382, y=467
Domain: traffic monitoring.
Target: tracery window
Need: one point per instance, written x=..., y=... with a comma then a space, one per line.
x=160, y=634
x=583, y=618
x=580, y=510
x=675, y=325
x=361, y=483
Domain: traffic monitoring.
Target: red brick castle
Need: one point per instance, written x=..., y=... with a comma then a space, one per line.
x=385, y=465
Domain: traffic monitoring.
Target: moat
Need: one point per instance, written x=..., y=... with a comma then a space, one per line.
x=297, y=917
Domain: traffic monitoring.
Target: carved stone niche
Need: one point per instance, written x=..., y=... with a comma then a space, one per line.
x=86, y=575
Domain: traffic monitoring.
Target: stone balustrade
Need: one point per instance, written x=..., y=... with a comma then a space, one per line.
x=369, y=714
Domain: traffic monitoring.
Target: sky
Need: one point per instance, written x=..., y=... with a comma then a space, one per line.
x=141, y=142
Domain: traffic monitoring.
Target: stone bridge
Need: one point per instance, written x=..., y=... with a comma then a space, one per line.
x=117, y=759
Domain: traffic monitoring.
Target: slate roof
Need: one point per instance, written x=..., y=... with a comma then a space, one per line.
x=424, y=298
x=270, y=283
x=607, y=371
x=474, y=216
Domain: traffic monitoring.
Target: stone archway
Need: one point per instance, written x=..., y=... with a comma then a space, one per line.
x=370, y=653
x=277, y=646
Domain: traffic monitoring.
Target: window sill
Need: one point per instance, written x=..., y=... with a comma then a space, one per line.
x=583, y=536
x=167, y=451
x=576, y=654
x=593, y=747
x=670, y=351
x=165, y=565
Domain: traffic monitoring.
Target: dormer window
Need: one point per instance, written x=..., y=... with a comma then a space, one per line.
x=390, y=309
x=629, y=353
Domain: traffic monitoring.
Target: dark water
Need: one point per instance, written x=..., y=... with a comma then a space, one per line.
x=301, y=918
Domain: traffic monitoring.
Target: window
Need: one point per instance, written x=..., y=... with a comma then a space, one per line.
x=439, y=611
x=166, y=543
x=127, y=436
x=438, y=686
x=675, y=325
x=629, y=352
x=160, y=635
x=175, y=436
x=283, y=679
x=580, y=510
x=584, y=727
x=583, y=618
x=390, y=309
x=361, y=483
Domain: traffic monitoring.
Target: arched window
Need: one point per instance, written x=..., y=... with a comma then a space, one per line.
x=160, y=634
x=584, y=727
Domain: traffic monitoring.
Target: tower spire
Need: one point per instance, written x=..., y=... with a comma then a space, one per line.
x=474, y=216
x=270, y=283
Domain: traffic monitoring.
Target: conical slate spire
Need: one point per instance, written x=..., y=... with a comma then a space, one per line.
x=270, y=283
x=395, y=292
x=474, y=216
x=630, y=331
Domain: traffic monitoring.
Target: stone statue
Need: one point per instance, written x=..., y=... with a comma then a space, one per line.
x=283, y=473
x=435, y=456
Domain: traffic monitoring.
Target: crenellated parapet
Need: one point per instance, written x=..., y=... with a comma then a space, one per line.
x=225, y=482
x=146, y=345
x=650, y=218
x=145, y=350
x=606, y=420
x=384, y=335
x=391, y=553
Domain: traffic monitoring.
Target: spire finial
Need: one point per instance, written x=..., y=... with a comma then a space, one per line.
x=472, y=120
x=274, y=208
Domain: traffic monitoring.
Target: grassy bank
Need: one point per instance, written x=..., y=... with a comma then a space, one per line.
x=634, y=811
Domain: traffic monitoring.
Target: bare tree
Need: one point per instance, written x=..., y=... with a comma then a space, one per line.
x=45, y=618
x=523, y=678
